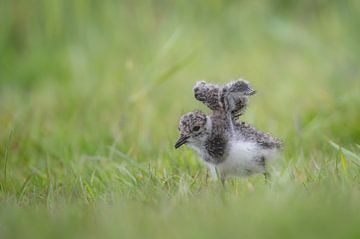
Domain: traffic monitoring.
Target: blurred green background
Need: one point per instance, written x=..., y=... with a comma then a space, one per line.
x=90, y=97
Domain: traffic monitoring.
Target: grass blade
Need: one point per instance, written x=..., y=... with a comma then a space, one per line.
x=355, y=158
x=343, y=161
x=6, y=156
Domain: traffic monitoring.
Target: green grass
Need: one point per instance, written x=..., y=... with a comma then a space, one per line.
x=91, y=94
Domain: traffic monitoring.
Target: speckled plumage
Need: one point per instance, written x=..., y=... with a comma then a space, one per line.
x=230, y=147
x=250, y=133
x=231, y=98
x=239, y=152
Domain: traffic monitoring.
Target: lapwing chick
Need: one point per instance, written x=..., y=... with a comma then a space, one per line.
x=228, y=147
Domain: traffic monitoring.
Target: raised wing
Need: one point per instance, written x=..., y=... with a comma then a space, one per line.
x=236, y=95
x=209, y=94
x=232, y=97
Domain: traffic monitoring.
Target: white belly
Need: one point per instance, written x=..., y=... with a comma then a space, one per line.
x=242, y=160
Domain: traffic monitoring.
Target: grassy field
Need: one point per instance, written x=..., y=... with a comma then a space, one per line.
x=91, y=94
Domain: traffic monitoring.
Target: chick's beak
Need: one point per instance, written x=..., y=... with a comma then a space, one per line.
x=250, y=92
x=182, y=140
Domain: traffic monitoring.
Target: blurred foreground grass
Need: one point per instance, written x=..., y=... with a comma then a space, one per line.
x=91, y=93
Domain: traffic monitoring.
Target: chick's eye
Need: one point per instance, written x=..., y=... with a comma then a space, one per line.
x=196, y=128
